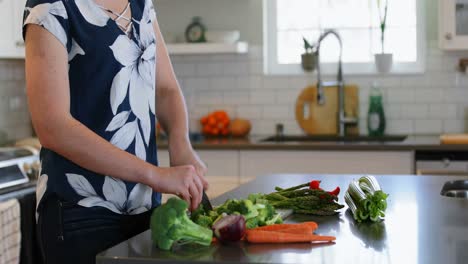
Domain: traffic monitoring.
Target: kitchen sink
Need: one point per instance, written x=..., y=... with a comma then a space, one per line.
x=456, y=189
x=333, y=138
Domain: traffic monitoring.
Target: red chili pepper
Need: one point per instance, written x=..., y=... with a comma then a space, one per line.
x=335, y=192
x=314, y=185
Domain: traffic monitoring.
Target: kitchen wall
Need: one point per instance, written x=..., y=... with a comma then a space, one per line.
x=429, y=103
x=14, y=115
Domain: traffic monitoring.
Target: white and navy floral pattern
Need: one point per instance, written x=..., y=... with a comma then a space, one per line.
x=112, y=92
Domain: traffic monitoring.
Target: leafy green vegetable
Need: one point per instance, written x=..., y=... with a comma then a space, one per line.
x=170, y=224
x=204, y=220
x=248, y=209
x=256, y=210
x=251, y=223
x=366, y=200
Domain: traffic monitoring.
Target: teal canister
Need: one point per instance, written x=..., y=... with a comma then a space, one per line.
x=376, y=122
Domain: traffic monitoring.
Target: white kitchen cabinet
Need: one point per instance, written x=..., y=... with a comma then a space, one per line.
x=453, y=24
x=220, y=163
x=255, y=163
x=227, y=169
x=11, y=18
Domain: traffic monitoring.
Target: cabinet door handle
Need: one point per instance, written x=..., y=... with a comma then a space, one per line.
x=448, y=36
x=19, y=43
x=446, y=162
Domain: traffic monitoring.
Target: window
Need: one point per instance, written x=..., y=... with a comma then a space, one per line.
x=357, y=21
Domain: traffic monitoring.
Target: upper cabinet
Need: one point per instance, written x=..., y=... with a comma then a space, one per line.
x=11, y=18
x=453, y=24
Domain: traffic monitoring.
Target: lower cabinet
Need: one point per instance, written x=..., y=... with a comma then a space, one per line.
x=255, y=163
x=227, y=169
x=220, y=163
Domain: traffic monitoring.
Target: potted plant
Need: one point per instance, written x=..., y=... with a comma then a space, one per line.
x=309, y=57
x=383, y=61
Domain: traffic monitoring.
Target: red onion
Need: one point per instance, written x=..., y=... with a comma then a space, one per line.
x=230, y=228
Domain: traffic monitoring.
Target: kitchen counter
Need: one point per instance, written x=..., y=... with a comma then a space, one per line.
x=421, y=227
x=412, y=143
x=18, y=190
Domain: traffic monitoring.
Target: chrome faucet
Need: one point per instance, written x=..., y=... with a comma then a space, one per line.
x=343, y=120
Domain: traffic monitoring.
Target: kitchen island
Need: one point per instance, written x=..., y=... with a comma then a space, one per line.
x=421, y=226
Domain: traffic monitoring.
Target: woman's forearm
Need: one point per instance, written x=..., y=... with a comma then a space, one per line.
x=170, y=103
x=173, y=118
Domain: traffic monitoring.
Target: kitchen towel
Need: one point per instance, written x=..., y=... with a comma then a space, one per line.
x=10, y=232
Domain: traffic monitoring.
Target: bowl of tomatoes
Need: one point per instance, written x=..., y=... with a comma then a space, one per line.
x=216, y=124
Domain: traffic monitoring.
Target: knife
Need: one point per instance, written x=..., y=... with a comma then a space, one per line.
x=206, y=202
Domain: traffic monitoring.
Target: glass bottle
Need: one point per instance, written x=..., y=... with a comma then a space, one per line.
x=376, y=116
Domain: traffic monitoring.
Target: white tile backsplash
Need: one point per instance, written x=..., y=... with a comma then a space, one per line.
x=209, y=98
x=223, y=83
x=196, y=83
x=392, y=111
x=442, y=111
x=284, y=96
x=428, y=126
x=415, y=111
x=431, y=95
x=236, y=69
x=210, y=69
x=433, y=102
x=14, y=115
x=400, y=95
x=249, y=112
x=457, y=95
x=185, y=69
x=256, y=67
x=400, y=126
x=275, y=82
x=236, y=97
x=451, y=125
x=276, y=112
x=262, y=97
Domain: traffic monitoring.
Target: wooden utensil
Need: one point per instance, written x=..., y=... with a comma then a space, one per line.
x=317, y=119
x=454, y=139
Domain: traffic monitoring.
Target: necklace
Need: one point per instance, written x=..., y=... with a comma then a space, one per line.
x=119, y=17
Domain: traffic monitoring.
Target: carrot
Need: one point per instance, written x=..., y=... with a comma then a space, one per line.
x=277, y=227
x=259, y=236
x=296, y=230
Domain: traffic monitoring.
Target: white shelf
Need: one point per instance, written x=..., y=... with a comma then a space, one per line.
x=207, y=48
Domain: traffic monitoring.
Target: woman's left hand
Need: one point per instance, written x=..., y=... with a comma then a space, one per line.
x=187, y=156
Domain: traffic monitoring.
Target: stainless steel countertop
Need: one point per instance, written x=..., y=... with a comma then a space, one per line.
x=412, y=143
x=421, y=227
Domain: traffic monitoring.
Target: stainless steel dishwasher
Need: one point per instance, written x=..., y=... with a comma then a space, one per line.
x=442, y=163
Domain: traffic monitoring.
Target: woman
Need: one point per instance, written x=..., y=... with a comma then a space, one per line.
x=98, y=74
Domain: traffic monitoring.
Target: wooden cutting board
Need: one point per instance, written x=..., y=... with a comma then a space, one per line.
x=317, y=119
x=454, y=139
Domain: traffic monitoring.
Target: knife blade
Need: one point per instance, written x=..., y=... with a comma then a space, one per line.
x=206, y=202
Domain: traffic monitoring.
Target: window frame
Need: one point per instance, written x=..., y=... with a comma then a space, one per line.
x=270, y=44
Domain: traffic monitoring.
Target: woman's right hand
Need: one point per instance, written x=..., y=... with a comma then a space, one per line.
x=182, y=181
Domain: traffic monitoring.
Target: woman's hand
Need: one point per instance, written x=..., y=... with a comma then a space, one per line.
x=184, y=154
x=182, y=181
